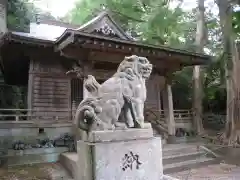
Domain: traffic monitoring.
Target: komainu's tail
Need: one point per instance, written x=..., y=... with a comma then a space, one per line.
x=92, y=85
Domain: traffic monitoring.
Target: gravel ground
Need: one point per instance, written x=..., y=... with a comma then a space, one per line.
x=42, y=171
x=211, y=172
x=27, y=172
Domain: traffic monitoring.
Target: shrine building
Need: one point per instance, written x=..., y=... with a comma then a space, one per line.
x=40, y=63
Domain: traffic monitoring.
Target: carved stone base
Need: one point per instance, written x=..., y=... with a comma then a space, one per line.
x=120, y=135
x=120, y=157
x=114, y=135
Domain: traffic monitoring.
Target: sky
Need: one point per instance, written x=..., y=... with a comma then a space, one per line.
x=59, y=8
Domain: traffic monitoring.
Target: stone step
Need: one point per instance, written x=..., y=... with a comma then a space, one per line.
x=187, y=165
x=182, y=140
x=31, y=159
x=164, y=141
x=58, y=173
x=177, y=149
x=12, y=152
x=69, y=162
x=182, y=157
x=181, y=146
x=33, y=156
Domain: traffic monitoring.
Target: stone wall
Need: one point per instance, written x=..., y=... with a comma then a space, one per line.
x=29, y=133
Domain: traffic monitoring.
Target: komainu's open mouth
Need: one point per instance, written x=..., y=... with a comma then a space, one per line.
x=147, y=69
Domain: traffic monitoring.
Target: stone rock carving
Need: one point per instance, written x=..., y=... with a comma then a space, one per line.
x=118, y=103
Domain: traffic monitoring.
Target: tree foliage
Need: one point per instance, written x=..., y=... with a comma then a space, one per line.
x=156, y=22
x=21, y=12
x=18, y=15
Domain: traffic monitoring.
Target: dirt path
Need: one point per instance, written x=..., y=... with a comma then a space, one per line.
x=41, y=172
x=28, y=172
x=212, y=172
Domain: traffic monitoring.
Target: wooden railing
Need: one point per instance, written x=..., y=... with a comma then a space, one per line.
x=183, y=115
x=179, y=115
x=26, y=115
x=214, y=121
x=158, y=120
x=29, y=115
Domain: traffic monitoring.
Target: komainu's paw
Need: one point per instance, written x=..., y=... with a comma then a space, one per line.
x=147, y=125
x=139, y=123
x=120, y=126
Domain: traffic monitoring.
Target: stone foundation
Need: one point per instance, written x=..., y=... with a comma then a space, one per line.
x=33, y=156
x=117, y=155
x=29, y=133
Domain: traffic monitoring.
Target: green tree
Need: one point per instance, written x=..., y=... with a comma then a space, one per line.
x=155, y=22
x=226, y=14
x=18, y=15
x=21, y=12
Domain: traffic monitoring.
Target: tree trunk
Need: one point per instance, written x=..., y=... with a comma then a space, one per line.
x=232, y=132
x=197, y=71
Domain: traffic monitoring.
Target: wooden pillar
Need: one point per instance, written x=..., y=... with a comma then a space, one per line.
x=87, y=70
x=168, y=109
x=160, y=82
x=159, y=105
x=30, y=85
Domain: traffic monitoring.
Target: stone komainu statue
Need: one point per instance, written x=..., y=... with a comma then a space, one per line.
x=118, y=103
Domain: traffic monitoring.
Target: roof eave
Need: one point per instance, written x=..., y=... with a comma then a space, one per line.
x=202, y=59
x=27, y=40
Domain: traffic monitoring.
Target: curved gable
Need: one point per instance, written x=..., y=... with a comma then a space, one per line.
x=104, y=25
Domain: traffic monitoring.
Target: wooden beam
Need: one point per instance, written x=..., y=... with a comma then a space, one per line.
x=123, y=49
x=157, y=63
x=74, y=52
x=65, y=43
x=186, y=58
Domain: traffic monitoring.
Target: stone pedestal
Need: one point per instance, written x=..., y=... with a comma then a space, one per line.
x=132, y=154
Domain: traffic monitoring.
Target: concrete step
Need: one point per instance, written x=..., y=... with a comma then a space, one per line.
x=33, y=156
x=170, y=159
x=69, y=162
x=178, y=149
x=183, y=140
x=12, y=152
x=187, y=165
x=180, y=157
x=182, y=145
x=58, y=173
x=31, y=159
